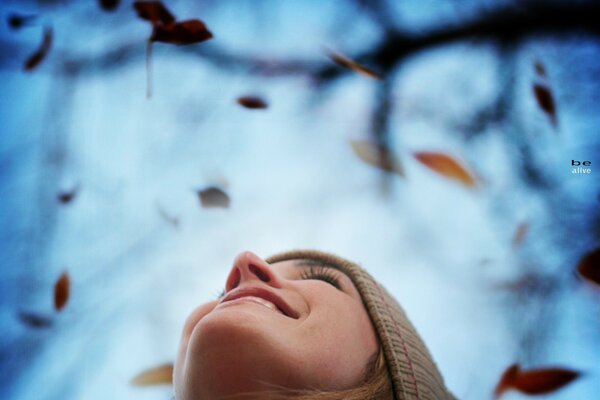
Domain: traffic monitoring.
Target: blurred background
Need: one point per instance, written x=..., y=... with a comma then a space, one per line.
x=430, y=141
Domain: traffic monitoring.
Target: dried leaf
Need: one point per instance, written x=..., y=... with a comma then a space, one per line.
x=353, y=65
x=18, y=21
x=161, y=375
x=154, y=11
x=61, y=291
x=589, y=266
x=545, y=101
x=36, y=58
x=181, y=33
x=252, y=102
x=213, y=197
x=378, y=156
x=109, y=5
x=67, y=196
x=535, y=381
x=34, y=320
x=174, y=222
x=520, y=234
x=446, y=166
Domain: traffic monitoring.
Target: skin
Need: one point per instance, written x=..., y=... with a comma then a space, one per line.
x=240, y=346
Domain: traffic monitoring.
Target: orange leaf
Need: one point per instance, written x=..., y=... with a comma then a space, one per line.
x=153, y=11
x=252, y=102
x=161, y=375
x=353, y=65
x=378, y=156
x=61, y=291
x=535, y=381
x=36, y=58
x=545, y=101
x=180, y=33
x=213, y=197
x=520, y=234
x=446, y=166
x=589, y=266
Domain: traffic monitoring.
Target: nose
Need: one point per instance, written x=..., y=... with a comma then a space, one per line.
x=248, y=267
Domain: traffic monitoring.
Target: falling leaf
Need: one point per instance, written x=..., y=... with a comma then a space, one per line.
x=535, y=381
x=520, y=234
x=213, y=197
x=353, y=65
x=109, y=5
x=252, y=102
x=36, y=58
x=18, y=21
x=34, y=320
x=545, y=101
x=61, y=291
x=446, y=166
x=589, y=266
x=154, y=11
x=181, y=33
x=540, y=69
x=168, y=218
x=378, y=156
x=161, y=375
x=67, y=196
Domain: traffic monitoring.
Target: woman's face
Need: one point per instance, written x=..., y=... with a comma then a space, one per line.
x=289, y=325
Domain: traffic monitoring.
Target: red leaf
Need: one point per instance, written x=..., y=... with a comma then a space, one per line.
x=252, y=102
x=545, y=101
x=446, y=166
x=378, y=156
x=213, y=197
x=61, y=291
x=18, y=21
x=34, y=320
x=353, y=65
x=160, y=375
x=154, y=11
x=535, y=381
x=186, y=32
x=589, y=266
x=520, y=234
x=109, y=5
x=36, y=58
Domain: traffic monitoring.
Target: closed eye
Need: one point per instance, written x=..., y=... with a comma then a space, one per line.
x=322, y=273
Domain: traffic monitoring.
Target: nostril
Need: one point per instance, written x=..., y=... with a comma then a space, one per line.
x=259, y=273
x=234, y=279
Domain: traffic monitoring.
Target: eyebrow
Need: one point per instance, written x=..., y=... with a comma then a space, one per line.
x=311, y=262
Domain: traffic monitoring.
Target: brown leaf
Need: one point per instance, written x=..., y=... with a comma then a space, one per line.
x=534, y=381
x=173, y=221
x=34, y=320
x=589, y=266
x=252, y=102
x=181, y=33
x=520, y=234
x=109, y=5
x=545, y=101
x=378, y=156
x=154, y=11
x=67, y=196
x=352, y=65
x=161, y=375
x=446, y=166
x=36, y=58
x=18, y=21
x=213, y=197
x=61, y=291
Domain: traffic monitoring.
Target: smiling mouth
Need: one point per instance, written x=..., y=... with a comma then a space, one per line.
x=263, y=297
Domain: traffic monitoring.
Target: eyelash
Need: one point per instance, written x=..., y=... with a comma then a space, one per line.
x=322, y=273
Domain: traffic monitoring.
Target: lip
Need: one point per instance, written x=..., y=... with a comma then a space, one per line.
x=263, y=294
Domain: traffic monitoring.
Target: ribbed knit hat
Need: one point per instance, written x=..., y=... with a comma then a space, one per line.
x=412, y=370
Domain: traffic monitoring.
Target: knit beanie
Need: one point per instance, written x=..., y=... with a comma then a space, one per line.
x=413, y=373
